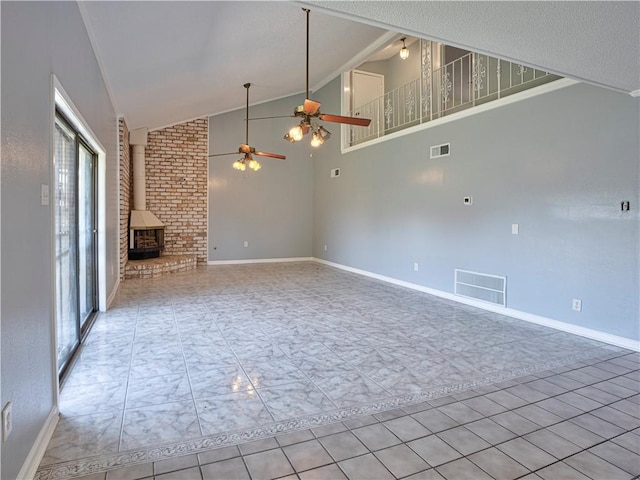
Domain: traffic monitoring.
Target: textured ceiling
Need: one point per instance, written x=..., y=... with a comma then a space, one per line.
x=594, y=41
x=170, y=61
x=167, y=62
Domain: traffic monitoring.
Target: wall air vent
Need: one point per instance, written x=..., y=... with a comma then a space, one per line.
x=481, y=286
x=438, y=151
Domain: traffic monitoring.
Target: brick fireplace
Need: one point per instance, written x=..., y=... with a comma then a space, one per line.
x=145, y=243
x=146, y=231
x=175, y=190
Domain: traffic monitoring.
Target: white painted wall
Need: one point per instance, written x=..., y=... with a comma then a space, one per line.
x=40, y=39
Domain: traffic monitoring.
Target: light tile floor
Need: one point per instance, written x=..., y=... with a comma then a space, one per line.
x=278, y=370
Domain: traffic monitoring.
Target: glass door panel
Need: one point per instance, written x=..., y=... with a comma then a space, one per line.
x=67, y=327
x=86, y=234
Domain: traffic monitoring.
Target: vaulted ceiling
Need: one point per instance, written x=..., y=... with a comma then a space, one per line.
x=170, y=61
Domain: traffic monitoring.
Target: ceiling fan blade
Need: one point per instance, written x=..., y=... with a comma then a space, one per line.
x=221, y=154
x=269, y=118
x=270, y=155
x=361, y=122
x=310, y=107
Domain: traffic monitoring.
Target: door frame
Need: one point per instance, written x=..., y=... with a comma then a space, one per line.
x=380, y=128
x=85, y=324
x=82, y=325
x=348, y=106
x=62, y=101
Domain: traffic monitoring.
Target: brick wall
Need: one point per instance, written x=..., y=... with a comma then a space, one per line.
x=126, y=192
x=176, y=170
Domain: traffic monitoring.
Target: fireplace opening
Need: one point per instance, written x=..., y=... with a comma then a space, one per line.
x=145, y=243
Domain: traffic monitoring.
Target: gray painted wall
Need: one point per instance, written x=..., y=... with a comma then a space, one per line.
x=381, y=67
x=557, y=164
x=39, y=39
x=272, y=208
x=401, y=71
x=397, y=72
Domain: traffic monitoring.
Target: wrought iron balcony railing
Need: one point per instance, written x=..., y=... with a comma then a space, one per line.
x=471, y=80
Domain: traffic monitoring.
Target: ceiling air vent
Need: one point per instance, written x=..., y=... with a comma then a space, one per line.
x=438, y=151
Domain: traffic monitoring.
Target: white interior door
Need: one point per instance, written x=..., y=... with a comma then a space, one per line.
x=367, y=90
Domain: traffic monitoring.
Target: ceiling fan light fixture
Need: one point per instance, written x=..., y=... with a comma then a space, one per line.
x=316, y=140
x=324, y=133
x=295, y=134
x=404, y=51
x=310, y=109
x=254, y=164
x=246, y=149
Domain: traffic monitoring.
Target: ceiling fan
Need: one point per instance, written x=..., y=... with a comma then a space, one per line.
x=311, y=110
x=247, y=160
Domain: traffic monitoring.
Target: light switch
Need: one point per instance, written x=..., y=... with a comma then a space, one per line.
x=515, y=229
x=44, y=194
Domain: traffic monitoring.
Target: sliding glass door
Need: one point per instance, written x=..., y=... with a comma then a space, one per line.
x=86, y=234
x=67, y=332
x=75, y=244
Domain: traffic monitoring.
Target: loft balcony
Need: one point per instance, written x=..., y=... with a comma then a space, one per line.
x=435, y=80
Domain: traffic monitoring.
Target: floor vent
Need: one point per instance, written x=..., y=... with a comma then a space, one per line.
x=481, y=286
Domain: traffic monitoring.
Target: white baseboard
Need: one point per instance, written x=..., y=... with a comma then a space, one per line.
x=510, y=312
x=36, y=454
x=112, y=296
x=259, y=260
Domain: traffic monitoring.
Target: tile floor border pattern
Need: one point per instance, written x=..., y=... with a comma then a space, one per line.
x=305, y=452
x=103, y=463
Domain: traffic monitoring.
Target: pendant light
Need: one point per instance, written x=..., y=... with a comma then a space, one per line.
x=404, y=51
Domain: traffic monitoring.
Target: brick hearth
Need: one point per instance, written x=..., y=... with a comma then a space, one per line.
x=156, y=267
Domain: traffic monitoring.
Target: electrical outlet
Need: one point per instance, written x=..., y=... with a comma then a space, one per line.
x=246, y=244
x=577, y=305
x=7, y=421
x=416, y=267
x=325, y=248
